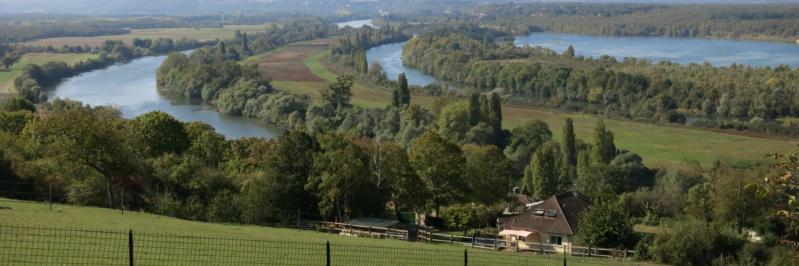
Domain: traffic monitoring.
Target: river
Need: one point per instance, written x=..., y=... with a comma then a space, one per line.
x=678, y=50
x=356, y=23
x=131, y=87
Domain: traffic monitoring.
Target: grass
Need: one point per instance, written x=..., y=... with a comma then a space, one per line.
x=200, y=34
x=30, y=233
x=7, y=76
x=659, y=145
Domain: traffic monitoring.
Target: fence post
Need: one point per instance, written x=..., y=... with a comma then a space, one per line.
x=327, y=251
x=564, y=256
x=130, y=246
x=298, y=219
x=50, y=194
x=465, y=257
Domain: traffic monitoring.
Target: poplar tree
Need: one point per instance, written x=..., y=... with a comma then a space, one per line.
x=603, y=150
x=404, y=92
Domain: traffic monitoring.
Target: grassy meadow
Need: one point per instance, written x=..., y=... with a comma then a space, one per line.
x=7, y=76
x=31, y=234
x=659, y=145
x=200, y=34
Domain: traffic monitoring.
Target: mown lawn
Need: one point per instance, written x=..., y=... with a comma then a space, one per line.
x=31, y=234
x=7, y=76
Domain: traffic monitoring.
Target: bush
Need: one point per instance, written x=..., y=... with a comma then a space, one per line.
x=17, y=104
x=224, y=207
x=467, y=216
x=695, y=243
x=165, y=204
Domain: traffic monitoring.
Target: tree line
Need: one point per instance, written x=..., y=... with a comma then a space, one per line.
x=737, y=96
x=769, y=22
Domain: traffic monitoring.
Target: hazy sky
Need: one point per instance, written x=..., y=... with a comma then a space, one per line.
x=105, y=7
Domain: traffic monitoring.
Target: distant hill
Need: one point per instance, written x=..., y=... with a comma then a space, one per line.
x=318, y=7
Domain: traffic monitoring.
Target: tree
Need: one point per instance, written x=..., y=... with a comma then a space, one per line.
x=606, y=225
x=569, y=51
x=453, y=121
x=403, y=90
x=487, y=172
x=340, y=180
x=279, y=188
x=15, y=122
x=699, y=204
x=525, y=140
x=17, y=104
x=603, y=149
x=7, y=61
x=160, y=133
x=440, y=165
x=339, y=93
x=474, y=109
x=545, y=170
x=96, y=139
x=568, y=143
x=245, y=43
x=496, y=111
x=391, y=170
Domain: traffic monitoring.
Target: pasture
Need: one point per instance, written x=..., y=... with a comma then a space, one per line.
x=7, y=76
x=32, y=234
x=200, y=34
x=660, y=145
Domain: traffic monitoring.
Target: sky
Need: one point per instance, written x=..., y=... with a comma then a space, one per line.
x=133, y=7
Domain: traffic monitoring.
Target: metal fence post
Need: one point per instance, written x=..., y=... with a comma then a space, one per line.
x=564, y=256
x=327, y=251
x=465, y=257
x=130, y=246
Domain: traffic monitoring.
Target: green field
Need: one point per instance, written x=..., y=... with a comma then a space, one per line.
x=659, y=145
x=31, y=233
x=7, y=76
x=200, y=34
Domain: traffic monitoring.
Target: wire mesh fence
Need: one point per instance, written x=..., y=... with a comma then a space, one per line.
x=27, y=245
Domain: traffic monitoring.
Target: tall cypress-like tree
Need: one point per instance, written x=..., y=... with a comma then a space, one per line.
x=496, y=111
x=475, y=113
x=485, y=109
x=244, y=42
x=569, y=143
x=569, y=51
x=395, y=98
x=603, y=150
x=404, y=92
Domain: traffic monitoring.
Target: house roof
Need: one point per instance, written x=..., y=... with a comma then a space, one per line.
x=558, y=214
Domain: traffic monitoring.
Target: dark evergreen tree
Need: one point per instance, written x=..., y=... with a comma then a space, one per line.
x=475, y=112
x=404, y=91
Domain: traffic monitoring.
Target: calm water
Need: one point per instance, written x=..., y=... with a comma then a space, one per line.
x=389, y=56
x=131, y=87
x=679, y=50
x=356, y=23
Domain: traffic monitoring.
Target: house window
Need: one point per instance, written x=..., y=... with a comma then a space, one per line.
x=556, y=240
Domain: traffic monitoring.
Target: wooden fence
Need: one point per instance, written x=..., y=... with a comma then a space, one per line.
x=495, y=243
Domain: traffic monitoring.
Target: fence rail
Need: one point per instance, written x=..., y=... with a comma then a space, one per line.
x=27, y=245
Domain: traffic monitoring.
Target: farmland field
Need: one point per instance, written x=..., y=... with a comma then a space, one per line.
x=659, y=145
x=7, y=76
x=200, y=34
x=163, y=240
